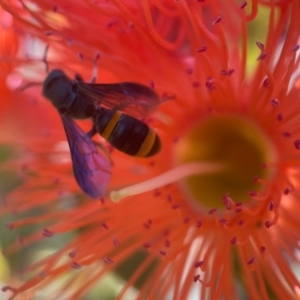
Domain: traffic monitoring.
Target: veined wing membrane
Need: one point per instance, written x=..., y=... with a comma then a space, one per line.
x=91, y=169
x=133, y=98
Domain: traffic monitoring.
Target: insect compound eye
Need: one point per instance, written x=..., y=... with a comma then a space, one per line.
x=52, y=77
x=56, y=87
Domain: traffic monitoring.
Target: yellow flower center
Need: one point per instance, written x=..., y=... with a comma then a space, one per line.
x=219, y=156
x=233, y=142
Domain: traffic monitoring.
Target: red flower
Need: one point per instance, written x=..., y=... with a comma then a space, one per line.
x=216, y=211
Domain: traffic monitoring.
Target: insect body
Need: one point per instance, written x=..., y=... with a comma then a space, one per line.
x=126, y=133
x=103, y=103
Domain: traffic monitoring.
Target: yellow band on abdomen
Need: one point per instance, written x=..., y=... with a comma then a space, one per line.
x=111, y=125
x=147, y=144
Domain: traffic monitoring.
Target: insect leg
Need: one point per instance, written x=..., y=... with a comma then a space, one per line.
x=78, y=77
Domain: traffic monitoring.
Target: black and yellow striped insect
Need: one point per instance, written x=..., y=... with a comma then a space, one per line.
x=116, y=110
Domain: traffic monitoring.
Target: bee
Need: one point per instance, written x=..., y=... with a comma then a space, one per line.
x=115, y=110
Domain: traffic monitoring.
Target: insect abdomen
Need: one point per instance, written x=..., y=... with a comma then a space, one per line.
x=127, y=133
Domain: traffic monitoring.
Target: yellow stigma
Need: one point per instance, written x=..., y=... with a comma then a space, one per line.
x=235, y=143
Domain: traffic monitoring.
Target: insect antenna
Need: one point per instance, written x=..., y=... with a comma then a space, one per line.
x=33, y=83
x=45, y=59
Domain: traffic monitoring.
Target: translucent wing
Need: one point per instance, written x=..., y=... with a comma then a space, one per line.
x=91, y=169
x=135, y=99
